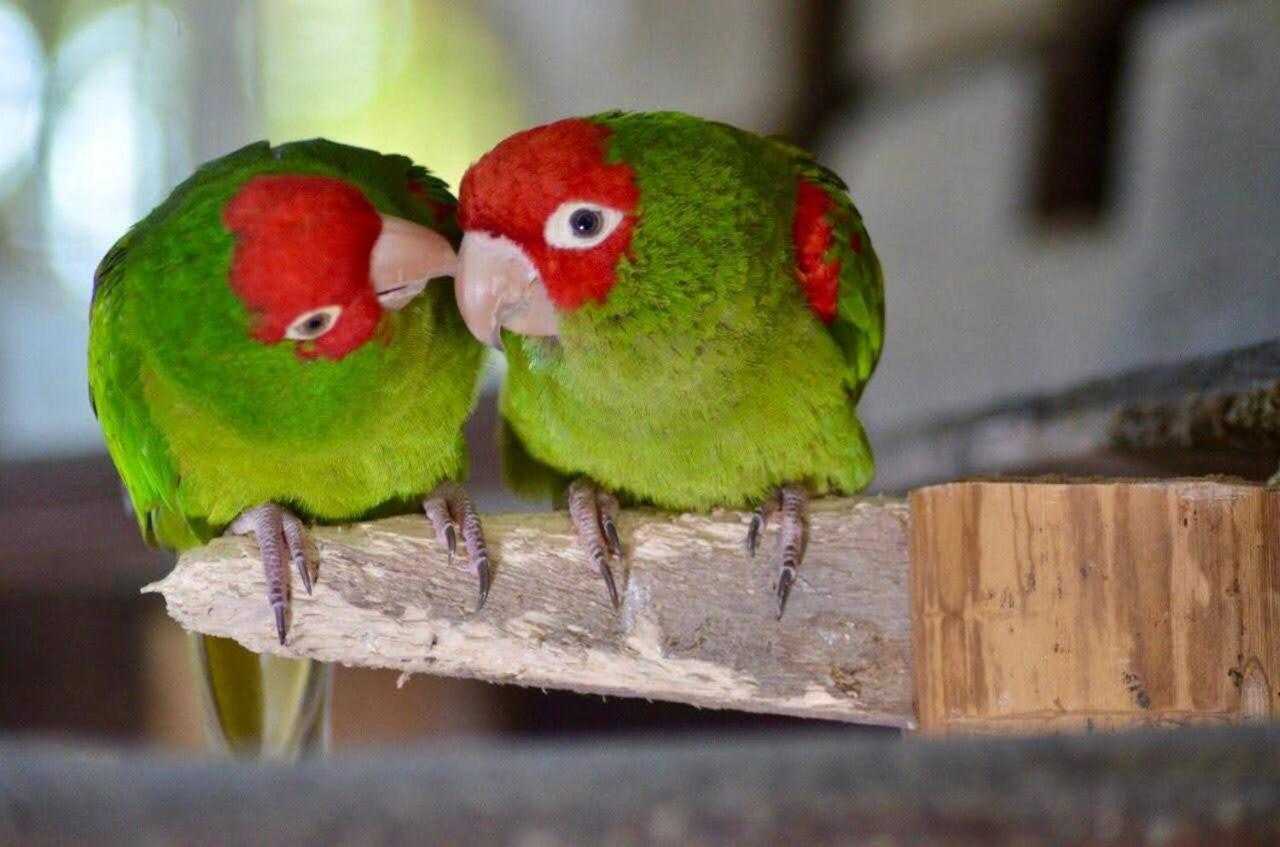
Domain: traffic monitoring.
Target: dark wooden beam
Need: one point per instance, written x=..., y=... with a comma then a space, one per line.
x=1218, y=787
x=1083, y=63
x=827, y=85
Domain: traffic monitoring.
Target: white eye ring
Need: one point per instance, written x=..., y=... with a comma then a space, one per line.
x=580, y=225
x=309, y=326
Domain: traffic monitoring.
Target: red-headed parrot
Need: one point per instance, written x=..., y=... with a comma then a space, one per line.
x=690, y=313
x=265, y=351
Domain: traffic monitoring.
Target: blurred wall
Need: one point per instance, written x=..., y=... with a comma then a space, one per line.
x=986, y=299
x=733, y=60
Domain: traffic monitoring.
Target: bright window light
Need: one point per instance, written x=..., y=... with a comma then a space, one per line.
x=426, y=78
x=111, y=136
x=21, y=78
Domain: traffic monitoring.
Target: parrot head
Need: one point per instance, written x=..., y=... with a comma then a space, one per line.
x=316, y=265
x=546, y=218
x=286, y=287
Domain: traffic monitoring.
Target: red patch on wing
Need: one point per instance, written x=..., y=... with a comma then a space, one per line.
x=811, y=231
x=302, y=243
x=515, y=187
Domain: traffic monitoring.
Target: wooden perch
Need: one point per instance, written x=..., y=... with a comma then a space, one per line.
x=697, y=623
x=1035, y=605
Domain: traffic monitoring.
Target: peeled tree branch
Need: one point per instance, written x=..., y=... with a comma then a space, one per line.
x=696, y=625
x=985, y=606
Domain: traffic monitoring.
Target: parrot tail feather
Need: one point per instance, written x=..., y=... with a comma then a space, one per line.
x=258, y=705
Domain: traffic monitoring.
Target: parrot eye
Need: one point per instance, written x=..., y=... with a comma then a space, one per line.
x=585, y=222
x=579, y=225
x=309, y=326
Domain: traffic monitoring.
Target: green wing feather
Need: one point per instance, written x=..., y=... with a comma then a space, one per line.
x=121, y=375
x=254, y=704
x=116, y=372
x=139, y=450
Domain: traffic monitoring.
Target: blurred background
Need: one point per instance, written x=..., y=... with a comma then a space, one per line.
x=1057, y=189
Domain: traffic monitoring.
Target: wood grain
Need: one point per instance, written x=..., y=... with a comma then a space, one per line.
x=697, y=622
x=1046, y=606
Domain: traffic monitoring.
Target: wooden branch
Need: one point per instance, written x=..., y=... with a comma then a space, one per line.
x=1218, y=787
x=1035, y=605
x=1211, y=414
x=697, y=623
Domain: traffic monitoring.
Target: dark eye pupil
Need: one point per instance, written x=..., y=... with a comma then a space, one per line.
x=585, y=222
x=315, y=323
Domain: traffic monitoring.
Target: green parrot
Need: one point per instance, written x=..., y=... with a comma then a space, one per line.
x=690, y=313
x=264, y=351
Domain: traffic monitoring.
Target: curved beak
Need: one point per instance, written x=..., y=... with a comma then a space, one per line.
x=498, y=287
x=405, y=258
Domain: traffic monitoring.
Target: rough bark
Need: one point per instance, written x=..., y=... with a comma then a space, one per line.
x=697, y=620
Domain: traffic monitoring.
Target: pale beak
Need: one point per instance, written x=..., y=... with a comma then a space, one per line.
x=498, y=287
x=405, y=258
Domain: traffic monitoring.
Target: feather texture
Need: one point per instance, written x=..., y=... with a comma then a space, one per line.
x=204, y=421
x=709, y=376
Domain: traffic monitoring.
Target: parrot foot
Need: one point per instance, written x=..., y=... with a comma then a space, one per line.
x=793, y=535
x=759, y=520
x=446, y=508
x=276, y=530
x=595, y=512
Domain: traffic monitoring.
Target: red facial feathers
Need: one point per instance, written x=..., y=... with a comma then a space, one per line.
x=515, y=187
x=303, y=243
x=811, y=230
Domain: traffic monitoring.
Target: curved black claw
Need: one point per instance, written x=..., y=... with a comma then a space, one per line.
x=484, y=586
x=603, y=565
x=448, y=507
x=305, y=574
x=611, y=535
x=753, y=532
x=786, y=577
x=282, y=625
x=295, y=539
x=759, y=520
x=594, y=517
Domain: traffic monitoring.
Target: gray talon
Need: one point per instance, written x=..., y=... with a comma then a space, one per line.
x=447, y=508
x=592, y=511
x=785, y=577
x=753, y=532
